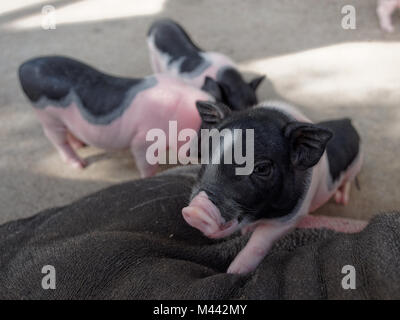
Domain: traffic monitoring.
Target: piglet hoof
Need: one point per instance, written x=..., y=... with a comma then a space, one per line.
x=78, y=145
x=236, y=268
x=78, y=164
x=338, y=197
x=388, y=28
x=75, y=142
x=148, y=172
x=342, y=195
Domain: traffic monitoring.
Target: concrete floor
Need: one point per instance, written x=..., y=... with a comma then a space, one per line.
x=309, y=59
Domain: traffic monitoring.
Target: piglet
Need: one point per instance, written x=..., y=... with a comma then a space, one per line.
x=77, y=104
x=385, y=10
x=173, y=52
x=297, y=166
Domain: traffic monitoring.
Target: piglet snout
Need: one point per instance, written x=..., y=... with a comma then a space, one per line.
x=203, y=215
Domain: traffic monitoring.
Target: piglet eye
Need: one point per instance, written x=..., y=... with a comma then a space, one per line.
x=263, y=168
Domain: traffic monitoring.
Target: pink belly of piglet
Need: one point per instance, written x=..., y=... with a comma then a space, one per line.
x=203, y=215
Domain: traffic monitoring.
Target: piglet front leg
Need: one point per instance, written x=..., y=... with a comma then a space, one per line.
x=59, y=136
x=265, y=234
x=260, y=242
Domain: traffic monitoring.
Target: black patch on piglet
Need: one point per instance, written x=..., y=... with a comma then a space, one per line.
x=55, y=76
x=101, y=97
x=343, y=148
x=171, y=39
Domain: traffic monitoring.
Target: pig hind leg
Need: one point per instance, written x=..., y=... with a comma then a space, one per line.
x=74, y=141
x=385, y=10
x=57, y=133
x=344, y=156
x=342, y=195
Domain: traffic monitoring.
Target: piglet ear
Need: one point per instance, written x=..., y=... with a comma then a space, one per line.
x=212, y=112
x=213, y=88
x=256, y=82
x=307, y=143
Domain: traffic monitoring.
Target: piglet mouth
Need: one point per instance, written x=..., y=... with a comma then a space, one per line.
x=203, y=215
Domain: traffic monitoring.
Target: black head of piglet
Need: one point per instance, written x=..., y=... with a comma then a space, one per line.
x=283, y=151
x=231, y=89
